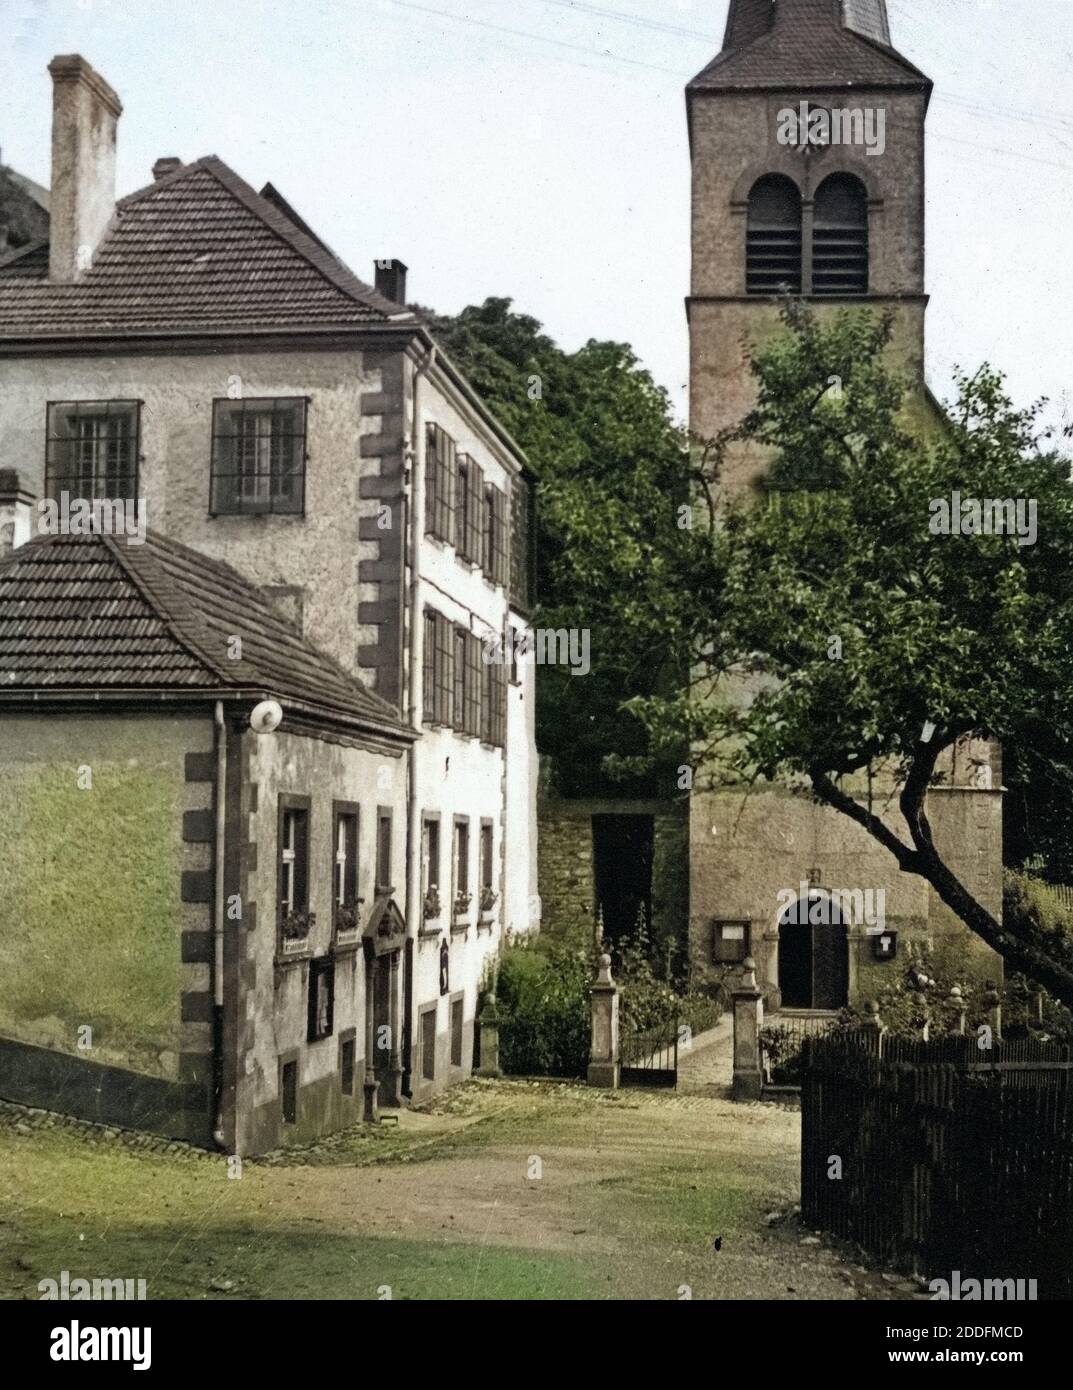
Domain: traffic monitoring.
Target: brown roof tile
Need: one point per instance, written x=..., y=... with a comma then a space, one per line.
x=95, y=613
x=199, y=251
x=806, y=43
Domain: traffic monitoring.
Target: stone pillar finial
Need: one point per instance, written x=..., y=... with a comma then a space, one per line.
x=604, y=1064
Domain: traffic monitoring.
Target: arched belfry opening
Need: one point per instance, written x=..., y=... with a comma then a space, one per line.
x=813, y=954
x=773, y=238
x=840, y=237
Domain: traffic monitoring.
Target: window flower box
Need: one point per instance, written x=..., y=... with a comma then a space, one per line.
x=432, y=904
x=489, y=898
x=294, y=933
x=461, y=907
x=348, y=925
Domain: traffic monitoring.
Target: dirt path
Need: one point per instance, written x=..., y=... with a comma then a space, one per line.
x=505, y=1189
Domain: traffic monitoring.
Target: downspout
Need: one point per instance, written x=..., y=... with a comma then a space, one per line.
x=218, y=927
x=413, y=826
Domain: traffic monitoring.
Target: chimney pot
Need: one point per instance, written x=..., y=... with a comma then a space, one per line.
x=167, y=164
x=391, y=280
x=16, y=511
x=85, y=111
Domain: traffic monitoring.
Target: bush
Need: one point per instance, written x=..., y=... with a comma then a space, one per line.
x=543, y=995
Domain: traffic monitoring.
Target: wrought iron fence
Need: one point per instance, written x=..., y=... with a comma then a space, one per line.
x=782, y=1039
x=939, y=1157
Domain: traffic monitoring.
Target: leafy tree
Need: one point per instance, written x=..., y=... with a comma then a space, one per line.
x=866, y=641
x=612, y=469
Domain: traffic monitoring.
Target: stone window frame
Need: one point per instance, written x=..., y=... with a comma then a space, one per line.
x=383, y=881
x=341, y=809
x=348, y=1038
x=456, y=1001
x=294, y=947
x=460, y=832
x=290, y=1058
x=427, y=1058
x=321, y=968
x=429, y=818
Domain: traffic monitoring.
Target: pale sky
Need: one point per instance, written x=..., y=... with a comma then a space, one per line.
x=537, y=148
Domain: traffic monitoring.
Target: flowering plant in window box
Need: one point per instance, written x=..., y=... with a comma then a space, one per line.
x=347, y=925
x=489, y=898
x=432, y=903
x=294, y=931
x=461, y=904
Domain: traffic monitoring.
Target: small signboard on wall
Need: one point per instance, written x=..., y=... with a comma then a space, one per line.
x=730, y=941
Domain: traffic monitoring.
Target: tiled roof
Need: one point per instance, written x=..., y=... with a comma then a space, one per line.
x=197, y=252
x=96, y=614
x=806, y=43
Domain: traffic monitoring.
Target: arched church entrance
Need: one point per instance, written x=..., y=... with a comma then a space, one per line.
x=813, y=954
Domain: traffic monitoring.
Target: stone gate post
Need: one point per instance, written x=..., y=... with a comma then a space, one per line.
x=489, y=1026
x=603, y=1051
x=748, y=1017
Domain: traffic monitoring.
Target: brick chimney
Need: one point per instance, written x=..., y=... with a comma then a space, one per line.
x=16, y=511
x=391, y=281
x=85, y=112
x=165, y=165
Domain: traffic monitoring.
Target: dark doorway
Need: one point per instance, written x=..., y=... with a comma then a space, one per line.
x=813, y=955
x=622, y=871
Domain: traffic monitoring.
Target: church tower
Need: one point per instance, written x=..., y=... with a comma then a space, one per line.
x=807, y=144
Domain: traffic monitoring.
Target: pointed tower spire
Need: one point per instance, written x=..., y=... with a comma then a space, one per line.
x=749, y=19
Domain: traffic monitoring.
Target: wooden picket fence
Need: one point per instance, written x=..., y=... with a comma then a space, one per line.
x=939, y=1157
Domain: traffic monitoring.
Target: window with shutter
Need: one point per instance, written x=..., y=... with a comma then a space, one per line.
x=474, y=668
x=439, y=483
x=428, y=673
x=840, y=237
x=469, y=509
x=494, y=546
x=773, y=237
x=461, y=667
x=521, y=543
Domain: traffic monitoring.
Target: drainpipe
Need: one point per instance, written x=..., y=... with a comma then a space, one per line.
x=218, y=926
x=413, y=827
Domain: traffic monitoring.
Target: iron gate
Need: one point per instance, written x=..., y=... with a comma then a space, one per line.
x=649, y=1056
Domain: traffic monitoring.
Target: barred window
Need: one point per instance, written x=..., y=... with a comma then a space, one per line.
x=521, y=544
x=494, y=704
x=258, y=457
x=439, y=673
x=92, y=450
x=439, y=483
x=469, y=509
